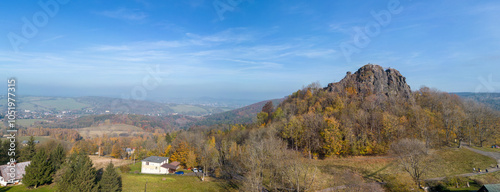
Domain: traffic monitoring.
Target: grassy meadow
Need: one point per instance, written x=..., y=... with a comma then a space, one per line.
x=110, y=130
x=28, y=122
x=445, y=162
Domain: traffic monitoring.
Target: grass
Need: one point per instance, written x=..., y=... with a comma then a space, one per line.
x=60, y=104
x=110, y=130
x=135, y=167
x=137, y=182
x=489, y=178
x=473, y=188
x=27, y=122
x=487, y=149
x=45, y=188
x=42, y=139
x=446, y=162
x=454, y=161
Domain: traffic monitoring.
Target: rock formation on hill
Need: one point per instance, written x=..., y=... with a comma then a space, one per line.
x=373, y=79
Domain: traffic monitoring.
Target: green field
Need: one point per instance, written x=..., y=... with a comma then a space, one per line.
x=27, y=122
x=137, y=182
x=110, y=130
x=17, y=188
x=60, y=104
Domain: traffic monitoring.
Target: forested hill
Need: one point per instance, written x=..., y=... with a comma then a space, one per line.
x=242, y=115
x=368, y=110
x=490, y=99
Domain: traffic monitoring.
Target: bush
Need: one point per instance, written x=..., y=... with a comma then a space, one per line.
x=125, y=169
x=454, y=181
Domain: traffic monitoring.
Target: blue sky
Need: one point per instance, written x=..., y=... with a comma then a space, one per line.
x=243, y=49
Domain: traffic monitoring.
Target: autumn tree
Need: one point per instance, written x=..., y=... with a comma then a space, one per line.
x=191, y=159
x=332, y=137
x=117, y=151
x=208, y=156
x=412, y=156
x=268, y=108
x=181, y=153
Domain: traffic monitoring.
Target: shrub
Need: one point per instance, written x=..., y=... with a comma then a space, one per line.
x=125, y=169
x=456, y=181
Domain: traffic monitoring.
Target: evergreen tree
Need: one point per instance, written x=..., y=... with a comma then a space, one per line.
x=39, y=171
x=4, y=147
x=77, y=174
x=58, y=155
x=29, y=151
x=111, y=181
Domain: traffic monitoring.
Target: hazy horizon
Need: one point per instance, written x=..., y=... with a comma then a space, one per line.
x=252, y=50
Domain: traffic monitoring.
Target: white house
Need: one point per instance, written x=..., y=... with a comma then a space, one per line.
x=5, y=173
x=153, y=165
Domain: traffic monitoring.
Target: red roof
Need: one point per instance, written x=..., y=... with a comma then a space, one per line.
x=173, y=165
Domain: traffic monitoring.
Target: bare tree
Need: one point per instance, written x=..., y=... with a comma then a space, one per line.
x=413, y=157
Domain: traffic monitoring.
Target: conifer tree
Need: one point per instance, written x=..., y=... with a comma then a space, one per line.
x=111, y=181
x=4, y=158
x=58, y=155
x=77, y=174
x=40, y=170
x=29, y=151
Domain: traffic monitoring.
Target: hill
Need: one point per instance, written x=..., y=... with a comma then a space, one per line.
x=242, y=115
x=364, y=112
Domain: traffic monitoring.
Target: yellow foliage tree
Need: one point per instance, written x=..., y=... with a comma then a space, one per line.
x=116, y=151
x=181, y=153
x=191, y=159
x=332, y=137
x=167, y=151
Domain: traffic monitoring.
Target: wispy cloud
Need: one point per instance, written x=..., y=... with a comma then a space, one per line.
x=53, y=38
x=124, y=13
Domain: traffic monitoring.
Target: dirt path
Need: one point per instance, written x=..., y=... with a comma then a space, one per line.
x=493, y=155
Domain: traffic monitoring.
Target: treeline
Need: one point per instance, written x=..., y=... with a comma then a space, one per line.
x=56, y=133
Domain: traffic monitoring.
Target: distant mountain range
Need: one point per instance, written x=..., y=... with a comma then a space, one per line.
x=490, y=99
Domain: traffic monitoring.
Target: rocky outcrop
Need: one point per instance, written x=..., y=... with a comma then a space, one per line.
x=373, y=79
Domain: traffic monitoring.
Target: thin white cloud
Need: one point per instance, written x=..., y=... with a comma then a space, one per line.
x=124, y=13
x=53, y=38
